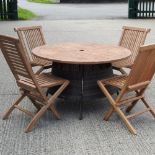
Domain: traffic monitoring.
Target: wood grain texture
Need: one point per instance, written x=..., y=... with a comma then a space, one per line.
x=136, y=82
x=31, y=37
x=82, y=53
x=30, y=84
x=131, y=38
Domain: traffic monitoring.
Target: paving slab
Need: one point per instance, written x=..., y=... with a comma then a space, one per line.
x=101, y=31
x=69, y=136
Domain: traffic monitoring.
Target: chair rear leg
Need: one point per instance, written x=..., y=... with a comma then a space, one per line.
x=56, y=114
x=130, y=107
x=148, y=106
x=8, y=112
x=108, y=114
x=38, y=107
x=122, y=71
x=40, y=70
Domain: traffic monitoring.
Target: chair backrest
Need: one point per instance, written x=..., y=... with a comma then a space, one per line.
x=143, y=68
x=17, y=61
x=132, y=38
x=30, y=38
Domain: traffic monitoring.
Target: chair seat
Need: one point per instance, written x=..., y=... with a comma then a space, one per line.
x=44, y=80
x=48, y=80
x=40, y=62
x=116, y=81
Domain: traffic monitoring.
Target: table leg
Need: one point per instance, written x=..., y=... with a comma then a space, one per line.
x=81, y=98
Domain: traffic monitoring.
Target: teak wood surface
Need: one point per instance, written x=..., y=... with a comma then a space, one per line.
x=132, y=38
x=134, y=85
x=81, y=53
x=30, y=85
x=31, y=37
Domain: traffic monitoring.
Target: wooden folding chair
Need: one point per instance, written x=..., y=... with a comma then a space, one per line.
x=32, y=37
x=30, y=84
x=131, y=38
x=136, y=82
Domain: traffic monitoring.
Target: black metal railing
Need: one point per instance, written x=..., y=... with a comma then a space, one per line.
x=8, y=10
x=141, y=9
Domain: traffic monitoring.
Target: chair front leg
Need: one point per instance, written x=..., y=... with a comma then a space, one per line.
x=8, y=112
x=40, y=113
x=49, y=104
x=116, y=108
x=36, y=117
x=125, y=120
x=38, y=107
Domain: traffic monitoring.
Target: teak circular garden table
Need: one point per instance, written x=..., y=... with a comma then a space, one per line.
x=83, y=64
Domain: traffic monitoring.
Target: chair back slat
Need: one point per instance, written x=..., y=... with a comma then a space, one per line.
x=132, y=38
x=30, y=38
x=16, y=58
x=144, y=66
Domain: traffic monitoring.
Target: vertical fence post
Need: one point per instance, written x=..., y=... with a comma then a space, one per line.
x=132, y=8
x=141, y=9
x=4, y=7
x=8, y=9
x=1, y=15
x=14, y=10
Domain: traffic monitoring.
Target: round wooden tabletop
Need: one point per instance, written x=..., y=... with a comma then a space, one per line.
x=81, y=53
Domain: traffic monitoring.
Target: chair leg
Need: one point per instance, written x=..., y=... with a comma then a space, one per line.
x=148, y=106
x=117, y=109
x=56, y=114
x=8, y=112
x=125, y=120
x=130, y=107
x=122, y=71
x=108, y=114
x=40, y=70
x=54, y=96
x=40, y=113
x=50, y=105
x=121, y=114
x=35, y=104
x=36, y=117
